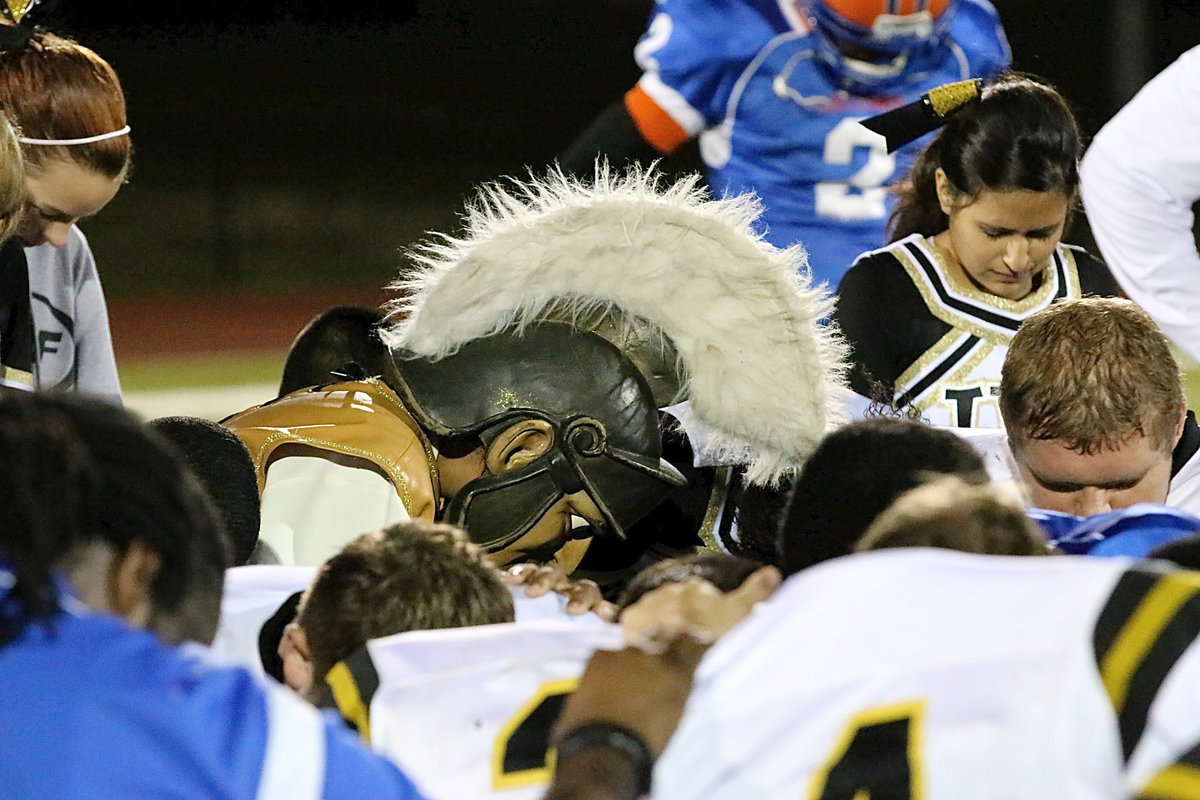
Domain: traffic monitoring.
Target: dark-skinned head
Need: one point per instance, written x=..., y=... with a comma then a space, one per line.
x=858, y=471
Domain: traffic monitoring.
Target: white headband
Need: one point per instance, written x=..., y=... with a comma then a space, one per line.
x=86, y=140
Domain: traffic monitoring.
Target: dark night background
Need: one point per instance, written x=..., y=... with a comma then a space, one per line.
x=299, y=144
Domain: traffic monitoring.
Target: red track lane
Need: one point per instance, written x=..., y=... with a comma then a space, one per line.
x=149, y=327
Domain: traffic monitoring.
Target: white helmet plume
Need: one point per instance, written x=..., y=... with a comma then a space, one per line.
x=760, y=369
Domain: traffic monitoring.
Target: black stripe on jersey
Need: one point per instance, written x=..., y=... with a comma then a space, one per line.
x=948, y=363
x=362, y=668
x=1148, y=622
x=1124, y=599
x=962, y=306
x=1175, y=638
x=1060, y=268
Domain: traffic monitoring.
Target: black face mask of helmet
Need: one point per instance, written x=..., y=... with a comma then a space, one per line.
x=497, y=510
x=605, y=423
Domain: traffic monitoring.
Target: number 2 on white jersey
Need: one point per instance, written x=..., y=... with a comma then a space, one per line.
x=862, y=195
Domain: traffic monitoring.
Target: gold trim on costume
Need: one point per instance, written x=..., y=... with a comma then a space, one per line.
x=1035, y=301
x=970, y=292
x=12, y=375
x=17, y=9
x=1071, y=268
x=388, y=394
x=974, y=358
x=716, y=501
x=953, y=338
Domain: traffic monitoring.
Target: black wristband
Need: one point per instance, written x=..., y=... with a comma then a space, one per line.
x=614, y=737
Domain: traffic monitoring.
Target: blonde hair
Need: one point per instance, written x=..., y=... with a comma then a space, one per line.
x=954, y=515
x=1091, y=372
x=12, y=180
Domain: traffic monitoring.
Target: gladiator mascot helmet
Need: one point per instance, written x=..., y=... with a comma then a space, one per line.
x=500, y=324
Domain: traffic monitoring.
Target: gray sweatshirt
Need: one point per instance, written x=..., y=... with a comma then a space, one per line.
x=73, y=346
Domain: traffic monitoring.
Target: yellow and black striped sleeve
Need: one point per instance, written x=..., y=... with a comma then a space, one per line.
x=351, y=685
x=1179, y=781
x=1150, y=619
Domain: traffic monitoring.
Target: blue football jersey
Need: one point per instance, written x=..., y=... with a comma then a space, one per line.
x=91, y=709
x=1134, y=531
x=746, y=76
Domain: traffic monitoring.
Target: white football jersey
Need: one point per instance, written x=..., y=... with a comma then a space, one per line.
x=254, y=593
x=931, y=674
x=548, y=607
x=466, y=712
x=251, y=596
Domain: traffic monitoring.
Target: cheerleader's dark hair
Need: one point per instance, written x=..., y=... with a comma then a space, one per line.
x=1020, y=134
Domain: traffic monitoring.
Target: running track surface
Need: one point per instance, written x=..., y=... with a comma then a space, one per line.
x=155, y=327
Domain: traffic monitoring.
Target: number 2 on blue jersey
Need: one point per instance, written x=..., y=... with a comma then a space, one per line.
x=862, y=195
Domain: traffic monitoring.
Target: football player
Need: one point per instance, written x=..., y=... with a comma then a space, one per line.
x=414, y=575
x=99, y=512
x=969, y=676
x=774, y=89
x=468, y=712
x=912, y=672
x=1094, y=408
x=954, y=515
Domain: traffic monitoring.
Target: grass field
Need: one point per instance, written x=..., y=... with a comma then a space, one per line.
x=218, y=385
x=211, y=387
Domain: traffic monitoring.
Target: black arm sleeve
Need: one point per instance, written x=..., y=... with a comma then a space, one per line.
x=881, y=315
x=1094, y=276
x=614, y=135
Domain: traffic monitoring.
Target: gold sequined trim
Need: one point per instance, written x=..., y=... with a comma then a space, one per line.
x=14, y=375
x=17, y=9
x=1035, y=301
x=716, y=501
x=390, y=397
x=1027, y=303
x=980, y=354
x=952, y=96
x=1071, y=268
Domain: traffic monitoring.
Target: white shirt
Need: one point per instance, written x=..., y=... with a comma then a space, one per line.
x=466, y=712
x=1141, y=176
x=973, y=677
x=250, y=597
x=74, y=350
x=312, y=508
x=253, y=594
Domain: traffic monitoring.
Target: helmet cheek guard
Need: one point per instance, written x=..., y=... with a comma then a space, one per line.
x=497, y=510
